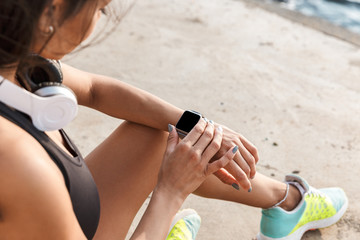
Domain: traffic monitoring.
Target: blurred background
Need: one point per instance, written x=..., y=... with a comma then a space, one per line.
x=344, y=13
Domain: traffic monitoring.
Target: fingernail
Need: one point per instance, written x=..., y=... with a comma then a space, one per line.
x=234, y=185
x=170, y=127
x=211, y=121
x=206, y=120
x=235, y=149
x=250, y=189
x=220, y=129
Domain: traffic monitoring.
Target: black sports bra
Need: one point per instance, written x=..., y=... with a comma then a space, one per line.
x=78, y=179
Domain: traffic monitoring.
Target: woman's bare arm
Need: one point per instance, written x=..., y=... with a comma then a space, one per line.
x=120, y=100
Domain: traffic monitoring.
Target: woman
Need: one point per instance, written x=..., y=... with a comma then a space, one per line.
x=47, y=191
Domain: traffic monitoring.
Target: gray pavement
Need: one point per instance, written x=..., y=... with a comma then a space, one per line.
x=291, y=90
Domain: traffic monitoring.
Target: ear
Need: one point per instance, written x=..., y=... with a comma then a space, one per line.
x=50, y=17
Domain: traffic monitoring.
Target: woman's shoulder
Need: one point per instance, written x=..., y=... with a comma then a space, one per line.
x=17, y=145
x=23, y=161
x=22, y=157
x=31, y=186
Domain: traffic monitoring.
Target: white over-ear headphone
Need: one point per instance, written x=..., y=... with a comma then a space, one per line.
x=51, y=106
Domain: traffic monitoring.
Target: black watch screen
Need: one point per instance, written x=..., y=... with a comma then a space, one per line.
x=187, y=121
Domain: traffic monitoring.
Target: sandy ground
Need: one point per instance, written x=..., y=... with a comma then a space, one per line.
x=291, y=90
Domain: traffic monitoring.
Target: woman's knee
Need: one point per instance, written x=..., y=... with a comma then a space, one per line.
x=140, y=134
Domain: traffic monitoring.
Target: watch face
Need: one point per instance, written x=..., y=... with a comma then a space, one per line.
x=187, y=121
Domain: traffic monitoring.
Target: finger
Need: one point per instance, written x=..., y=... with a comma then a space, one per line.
x=251, y=148
x=207, y=138
x=173, y=139
x=213, y=147
x=234, y=169
x=226, y=178
x=194, y=135
x=222, y=162
x=245, y=158
x=241, y=162
x=250, y=160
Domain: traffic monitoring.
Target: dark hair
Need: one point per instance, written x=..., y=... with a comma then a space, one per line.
x=18, y=19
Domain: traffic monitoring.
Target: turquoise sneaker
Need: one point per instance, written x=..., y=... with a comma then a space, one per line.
x=185, y=225
x=318, y=208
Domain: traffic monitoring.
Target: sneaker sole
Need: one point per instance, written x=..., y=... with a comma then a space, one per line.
x=312, y=225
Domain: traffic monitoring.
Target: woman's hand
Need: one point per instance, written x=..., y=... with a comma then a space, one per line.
x=186, y=164
x=243, y=167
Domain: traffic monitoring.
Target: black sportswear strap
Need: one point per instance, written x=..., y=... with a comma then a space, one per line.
x=79, y=182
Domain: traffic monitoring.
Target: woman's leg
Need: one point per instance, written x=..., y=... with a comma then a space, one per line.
x=266, y=192
x=125, y=168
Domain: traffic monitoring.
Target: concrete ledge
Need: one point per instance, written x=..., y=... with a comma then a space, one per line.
x=313, y=22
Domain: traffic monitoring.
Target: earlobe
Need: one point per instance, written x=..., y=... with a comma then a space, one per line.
x=50, y=17
x=45, y=24
x=47, y=31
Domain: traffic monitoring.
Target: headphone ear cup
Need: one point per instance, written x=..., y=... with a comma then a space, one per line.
x=53, y=105
x=35, y=70
x=55, y=108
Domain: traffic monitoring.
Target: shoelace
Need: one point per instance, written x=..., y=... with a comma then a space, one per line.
x=314, y=192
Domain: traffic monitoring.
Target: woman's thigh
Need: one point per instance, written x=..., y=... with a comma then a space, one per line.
x=125, y=168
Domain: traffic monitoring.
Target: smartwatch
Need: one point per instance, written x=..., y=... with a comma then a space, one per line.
x=187, y=121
